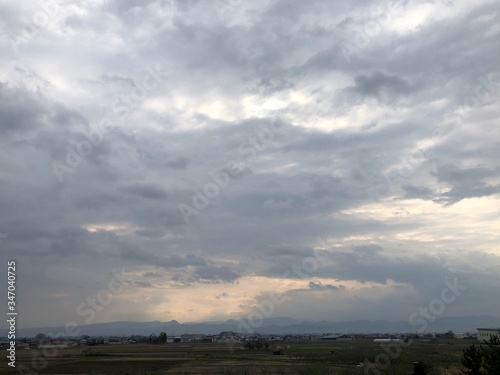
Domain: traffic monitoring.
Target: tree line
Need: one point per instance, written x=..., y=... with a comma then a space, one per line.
x=476, y=360
x=482, y=360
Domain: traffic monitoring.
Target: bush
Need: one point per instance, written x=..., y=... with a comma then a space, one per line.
x=491, y=356
x=472, y=360
x=421, y=368
x=487, y=357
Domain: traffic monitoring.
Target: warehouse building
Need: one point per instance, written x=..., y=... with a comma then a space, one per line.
x=486, y=333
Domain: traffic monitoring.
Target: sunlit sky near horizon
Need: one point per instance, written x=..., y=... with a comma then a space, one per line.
x=343, y=155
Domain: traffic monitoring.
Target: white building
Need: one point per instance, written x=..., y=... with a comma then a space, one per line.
x=387, y=340
x=486, y=333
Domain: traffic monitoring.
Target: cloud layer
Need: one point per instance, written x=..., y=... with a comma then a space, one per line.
x=208, y=150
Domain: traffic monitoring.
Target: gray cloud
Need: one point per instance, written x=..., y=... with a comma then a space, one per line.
x=391, y=154
x=216, y=273
x=145, y=191
x=379, y=84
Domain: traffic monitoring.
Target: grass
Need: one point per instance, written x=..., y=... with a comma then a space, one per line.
x=301, y=358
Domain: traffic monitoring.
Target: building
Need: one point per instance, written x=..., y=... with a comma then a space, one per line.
x=209, y=339
x=486, y=333
x=330, y=337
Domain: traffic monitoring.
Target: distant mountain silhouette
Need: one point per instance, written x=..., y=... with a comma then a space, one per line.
x=279, y=325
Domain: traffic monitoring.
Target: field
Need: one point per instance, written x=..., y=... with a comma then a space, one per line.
x=300, y=357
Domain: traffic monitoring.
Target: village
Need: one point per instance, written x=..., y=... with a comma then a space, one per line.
x=45, y=341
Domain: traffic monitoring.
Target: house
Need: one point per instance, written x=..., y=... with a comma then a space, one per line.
x=487, y=333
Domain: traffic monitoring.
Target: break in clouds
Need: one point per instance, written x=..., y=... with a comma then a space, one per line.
x=210, y=151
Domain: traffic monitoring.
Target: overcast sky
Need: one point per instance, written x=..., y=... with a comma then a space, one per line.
x=343, y=155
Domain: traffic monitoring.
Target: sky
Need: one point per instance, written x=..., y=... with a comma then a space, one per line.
x=208, y=160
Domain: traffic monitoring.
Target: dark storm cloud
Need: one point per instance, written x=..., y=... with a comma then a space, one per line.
x=418, y=192
x=18, y=111
x=145, y=191
x=143, y=284
x=379, y=268
x=320, y=286
x=466, y=183
x=368, y=263
x=178, y=163
x=216, y=273
x=71, y=241
x=173, y=261
x=379, y=83
x=457, y=194
x=462, y=183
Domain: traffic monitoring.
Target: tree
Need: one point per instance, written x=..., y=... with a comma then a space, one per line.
x=449, y=335
x=40, y=336
x=491, y=356
x=139, y=338
x=421, y=368
x=472, y=360
x=163, y=338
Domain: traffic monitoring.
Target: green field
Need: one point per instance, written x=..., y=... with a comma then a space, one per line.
x=300, y=357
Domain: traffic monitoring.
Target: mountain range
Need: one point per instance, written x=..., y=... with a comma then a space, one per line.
x=278, y=325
